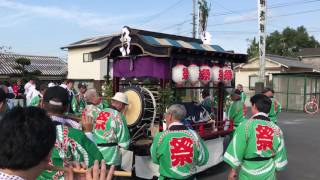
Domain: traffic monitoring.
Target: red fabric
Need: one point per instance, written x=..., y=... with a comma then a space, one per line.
x=101, y=120
x=181, y=150
x=264, y=137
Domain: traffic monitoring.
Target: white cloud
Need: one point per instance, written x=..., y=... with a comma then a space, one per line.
x=80, y=17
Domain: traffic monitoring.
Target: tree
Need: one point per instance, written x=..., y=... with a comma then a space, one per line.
x=286, y=43
x=253, y=49
x=22, y=63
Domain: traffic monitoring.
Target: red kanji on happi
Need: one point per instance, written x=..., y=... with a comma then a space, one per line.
x=101, y=120
x=185, y=73
x=264, y=137
x=227, y=74
x=181, y=150
x=205, y=74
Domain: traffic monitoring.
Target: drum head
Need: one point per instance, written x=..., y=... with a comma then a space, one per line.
x=135, y=108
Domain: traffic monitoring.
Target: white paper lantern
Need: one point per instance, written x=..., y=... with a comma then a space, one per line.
x=227, y=74
x=205, y=74
x=180, y=74
x=217, y=74
x=193, y=71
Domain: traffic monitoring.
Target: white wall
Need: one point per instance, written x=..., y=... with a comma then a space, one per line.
x=77, y=69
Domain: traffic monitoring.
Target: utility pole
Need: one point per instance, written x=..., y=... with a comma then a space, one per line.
x=262, y=15
x=194, y=19
x=262, y=11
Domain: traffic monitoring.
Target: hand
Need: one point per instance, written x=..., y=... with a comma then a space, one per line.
x=94, y=173
x=76, y=167
x=99, y=174
x=232, y=174
x=87, y=123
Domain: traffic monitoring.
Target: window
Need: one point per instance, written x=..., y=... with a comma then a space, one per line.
x=252, y=81
x=255, y=78
x=87, y=57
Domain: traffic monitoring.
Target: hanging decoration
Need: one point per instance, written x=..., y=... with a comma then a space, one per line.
x=217, y=74
x=194, y=74
x=227, y=74
x=205, y=74
x=180, y=74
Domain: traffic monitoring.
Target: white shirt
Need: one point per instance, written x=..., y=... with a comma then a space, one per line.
x=4, y=176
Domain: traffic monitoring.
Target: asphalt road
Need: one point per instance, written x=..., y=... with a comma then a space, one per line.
x=301, y=132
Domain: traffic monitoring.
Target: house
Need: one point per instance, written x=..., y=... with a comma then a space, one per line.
x=247, y=74
x=310, y=56
x=51, y=68
x=81, y=66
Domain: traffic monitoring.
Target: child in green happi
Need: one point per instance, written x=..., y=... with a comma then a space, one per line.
x=257, y=147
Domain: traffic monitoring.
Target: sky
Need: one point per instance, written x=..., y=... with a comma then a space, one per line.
x=41, y=27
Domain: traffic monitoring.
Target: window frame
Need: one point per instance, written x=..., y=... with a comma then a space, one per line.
x=89, y=57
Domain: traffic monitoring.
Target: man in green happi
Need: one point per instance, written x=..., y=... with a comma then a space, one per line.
x=237, y=110
x=110, y=132
x=257, y=147
x=73, y=140
x=243, y=94
x=78, y=102
x=35, y=101
x=275, y=106
x=178, y=150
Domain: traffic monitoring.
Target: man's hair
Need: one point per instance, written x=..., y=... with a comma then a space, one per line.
x=56, y=99
x=177, y=111
x=27, y=136
x=262, y=102
x=69, y=81
x=90, y=93
x=267, y=89
x=3, y=95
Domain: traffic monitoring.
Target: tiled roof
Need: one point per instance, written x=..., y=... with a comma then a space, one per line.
x=48, y=65
x=98, y=40
x=307, y=52
x=288, y=61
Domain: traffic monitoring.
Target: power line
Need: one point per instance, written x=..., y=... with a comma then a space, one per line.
x=271, y=17
x=161, y=13
x=274, y=6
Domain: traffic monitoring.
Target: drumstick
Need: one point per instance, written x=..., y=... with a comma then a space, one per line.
x=82, y=171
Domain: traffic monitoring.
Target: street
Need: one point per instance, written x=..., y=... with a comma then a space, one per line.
x=301, y=132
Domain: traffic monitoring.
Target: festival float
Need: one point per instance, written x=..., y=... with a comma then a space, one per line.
x=155, y=69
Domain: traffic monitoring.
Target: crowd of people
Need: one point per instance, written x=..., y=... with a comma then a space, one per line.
x=42, y=141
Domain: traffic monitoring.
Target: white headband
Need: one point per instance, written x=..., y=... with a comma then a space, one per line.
x=55, y=103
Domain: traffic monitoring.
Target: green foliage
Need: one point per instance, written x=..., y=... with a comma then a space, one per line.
x=285, y=43
x=23, y=61
x=253, y=49
x=107, y=91
x=166, y=98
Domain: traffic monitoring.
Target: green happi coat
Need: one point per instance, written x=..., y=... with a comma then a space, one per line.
x=110, y=127
x=237, y=112
x=274, y=110
x=71, y=145
x=78, y=104
x=243, y=96
x=257, y=138
x=35, y=101
x=178, y=152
